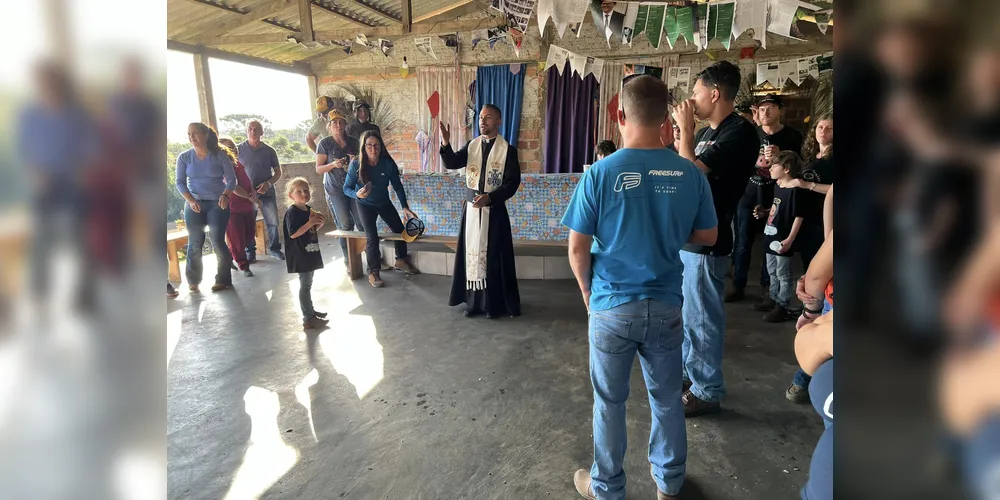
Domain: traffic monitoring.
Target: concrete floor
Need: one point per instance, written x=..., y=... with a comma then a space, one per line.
x=404, y=398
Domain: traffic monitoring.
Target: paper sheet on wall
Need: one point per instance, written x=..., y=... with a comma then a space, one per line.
x=557, y=57
x=679, y=77
x=685, y=24
x=768, y=72
x=807, y=66
x=720, y=22
x=654, y=24
x=701, y=27
x=752, y=15
x=782, y=15
x=628, y=27
x=786, y=71
x=423, y=44
x=578, y=63
x=670, y=29
x=518, y=13
x=594, y=67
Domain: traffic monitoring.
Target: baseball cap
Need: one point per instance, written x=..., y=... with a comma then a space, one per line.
x=335, y=115
x=360, y=103
x=323, y=103
x=412, y=230
x=772, y=99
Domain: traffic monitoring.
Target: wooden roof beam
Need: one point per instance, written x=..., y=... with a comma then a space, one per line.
x=416, y=29
x=407, y=16
x=237, y=10
x=306, y=20
x=443, y=10
x=342, y=16
x=260, y=11
x=297, y=68
x=378, y=10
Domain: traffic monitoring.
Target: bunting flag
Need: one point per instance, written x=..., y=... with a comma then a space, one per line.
x=720, y=22
x=685, y=24
x=642, y=12
x=518, y=12
x=777, y=73
x=823, y=21
x=557, y=57
x=751, y=15
x=562, y=12
x=450, y=40
x=628, y=27
x=701, y=26
x=654, y=22
x=670, y=28
x=385, y=46
x=478, y=36
x=496, y=35
x=516, y=38
x=424, y=46
x=578, y=63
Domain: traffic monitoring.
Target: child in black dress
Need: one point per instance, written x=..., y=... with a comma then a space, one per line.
x=302, y=254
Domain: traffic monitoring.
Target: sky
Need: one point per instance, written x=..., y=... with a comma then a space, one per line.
x=279, y=96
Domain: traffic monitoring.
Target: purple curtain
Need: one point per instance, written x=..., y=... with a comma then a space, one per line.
x=570, y=120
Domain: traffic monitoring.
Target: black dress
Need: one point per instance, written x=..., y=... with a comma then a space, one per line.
x=501, y=295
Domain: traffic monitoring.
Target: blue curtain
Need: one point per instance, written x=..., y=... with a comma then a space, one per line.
x=499, y=86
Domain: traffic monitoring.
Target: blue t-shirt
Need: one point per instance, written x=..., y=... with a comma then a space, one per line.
x=641, y=206
x=205, y=179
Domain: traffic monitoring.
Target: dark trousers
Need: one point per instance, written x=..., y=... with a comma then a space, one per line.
x=369, y=220
x=746, y=229
x=217, y=220
x=346, y=214
x=809, y=240
x=239, y=234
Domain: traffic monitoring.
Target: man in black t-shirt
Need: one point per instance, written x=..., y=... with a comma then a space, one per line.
x=725, y=152
x=774, y=137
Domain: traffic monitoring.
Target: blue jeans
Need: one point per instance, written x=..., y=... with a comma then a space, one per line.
x=269, y=207
x=782, y=286
x=346, y=214
x=746, y=229
x=216, y=219
x=704, y=323
x=654, y=330
x=305, y=295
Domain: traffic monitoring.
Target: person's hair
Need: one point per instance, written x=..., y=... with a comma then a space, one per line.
x=605, y=148
x=228, y=147
x=363, y=154
x=254, y=120
x=810, y=147
x=644, y=99
x=790, y=161
x=725, y=76
x=212, y=137
x=495, y=109
x=293, y=182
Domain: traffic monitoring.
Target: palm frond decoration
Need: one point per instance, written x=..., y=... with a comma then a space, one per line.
x=822, y=101
x=383, y=113
x=745, y=94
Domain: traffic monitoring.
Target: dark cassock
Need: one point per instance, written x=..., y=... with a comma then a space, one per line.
x=484, y=277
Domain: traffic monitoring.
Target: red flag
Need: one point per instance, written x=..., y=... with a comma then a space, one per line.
x=434, y=104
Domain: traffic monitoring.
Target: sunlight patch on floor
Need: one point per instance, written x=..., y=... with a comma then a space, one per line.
x=268, y=458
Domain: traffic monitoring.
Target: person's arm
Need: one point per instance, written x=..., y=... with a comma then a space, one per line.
x=511, y=179
x=303, y=229
x=706, y=222
x=978, y=284
x=351, y=182
x=239, y=190
x=397, y=185
x=181, y=181
x=453, y=160
x=684, y=118
x=820, y=270
x=229, y=175
x=580, y=260
x=816, y=187
x=814, y=343
x=313, y=133
x=275, y=167
x=828, y=212
x=311, y=140
x=796, y=225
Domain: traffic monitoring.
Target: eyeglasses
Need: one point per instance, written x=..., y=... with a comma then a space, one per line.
x=371, y=146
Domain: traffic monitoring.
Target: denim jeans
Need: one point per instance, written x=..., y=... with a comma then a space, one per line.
x=654, y=330
x=305, y=295
x=217, y=220
x=346, y=214
x=746, y=229
x=782, y=285
x=704, y=323
x=369, y=217
x=269, y=207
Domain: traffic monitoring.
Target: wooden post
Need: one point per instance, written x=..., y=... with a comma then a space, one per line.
x=306, y=21
x=407, y=16
x=206, y=101
x=355, y=251
x=313, y=93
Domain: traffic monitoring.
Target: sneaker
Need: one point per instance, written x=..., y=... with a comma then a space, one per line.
x=765, y=304
x=659, y=494
x=232, y=265
x=248, y=273
x=694, y=406
x=218, y=287
x=172, y=292
x=777, y=315
x=318, y=314
x=375, y=280
x=797, y=394
x=251, y=258
x=581, y=479
x=193, y=288
x=314, y=322
x=735, y=296
x=405, y=266
x=278, y=255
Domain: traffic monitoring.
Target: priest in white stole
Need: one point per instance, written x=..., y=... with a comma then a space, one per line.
x=484, y=277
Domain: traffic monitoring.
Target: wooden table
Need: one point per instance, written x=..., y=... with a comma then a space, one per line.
x=178, y=239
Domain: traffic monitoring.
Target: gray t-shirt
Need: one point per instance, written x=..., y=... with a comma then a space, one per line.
x=259, y=163
x=319, y=128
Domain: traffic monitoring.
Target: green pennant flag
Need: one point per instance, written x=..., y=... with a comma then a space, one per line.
x=685, y=24
x=701, y=25
x=720, y=22
x=655, y=23
x=640, y=19
x=670, y=26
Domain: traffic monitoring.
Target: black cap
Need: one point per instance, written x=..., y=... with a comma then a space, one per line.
x=772, y=99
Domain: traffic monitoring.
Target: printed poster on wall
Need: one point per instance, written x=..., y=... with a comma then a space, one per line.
x=654, y=24
x=807, y=66
x=679, y=77
x=518, y=13
x=787, y=70
x=768, y=72
x=720, y=22
x=752, y=15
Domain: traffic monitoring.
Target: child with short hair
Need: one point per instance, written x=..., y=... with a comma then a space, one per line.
x=302, y=254
x=605, y=148
x=783, y=225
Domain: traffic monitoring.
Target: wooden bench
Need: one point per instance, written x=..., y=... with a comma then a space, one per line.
x=178, y=239
x=356, y=241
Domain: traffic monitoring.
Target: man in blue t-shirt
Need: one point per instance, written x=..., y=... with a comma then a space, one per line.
x=631, y=214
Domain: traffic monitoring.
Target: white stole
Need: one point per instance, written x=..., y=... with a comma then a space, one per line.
x=477, y=220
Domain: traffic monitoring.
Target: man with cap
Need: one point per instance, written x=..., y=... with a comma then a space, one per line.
x=318, y=130
x=724, y=151
x=759, y=192
x=333, y=155
x=363, y=112
x=264, y=170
